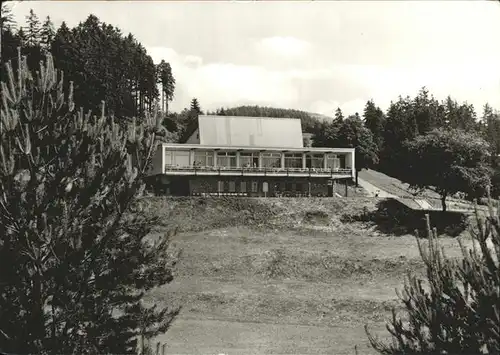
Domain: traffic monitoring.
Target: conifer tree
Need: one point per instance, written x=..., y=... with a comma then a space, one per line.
x=33, y=29
x=457, y=310
x=47, y=33
x=167, y=81
x=74, y=258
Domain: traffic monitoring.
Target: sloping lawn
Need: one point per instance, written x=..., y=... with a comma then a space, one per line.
x=286, y=287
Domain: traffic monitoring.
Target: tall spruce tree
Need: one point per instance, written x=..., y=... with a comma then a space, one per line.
x=33, y=29
x=375, y=121
x=74, y=255
x=167, y=81
x=47, y=34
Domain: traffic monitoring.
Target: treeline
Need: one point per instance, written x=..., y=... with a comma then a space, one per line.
x=103, y=63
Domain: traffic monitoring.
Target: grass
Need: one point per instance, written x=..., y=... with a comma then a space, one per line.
x=279, y=282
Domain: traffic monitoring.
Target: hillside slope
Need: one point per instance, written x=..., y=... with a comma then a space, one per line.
x=394, y=187
x=280, y=276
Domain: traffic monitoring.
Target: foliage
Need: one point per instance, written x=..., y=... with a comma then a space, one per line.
x=353, y=134
x=33, y=30
x=47, y=34
x=339, y=116
x=375, y=121
x=74, y=258
x=102, y=63
x=491, y=129
x=6, y=19
x=457, y=310
x=167, y=81
x=449, y=160
x=188, y=120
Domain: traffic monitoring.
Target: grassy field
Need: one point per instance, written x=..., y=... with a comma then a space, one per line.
x=289, y=278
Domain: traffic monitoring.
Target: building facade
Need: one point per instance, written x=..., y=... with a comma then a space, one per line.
x=249, y=156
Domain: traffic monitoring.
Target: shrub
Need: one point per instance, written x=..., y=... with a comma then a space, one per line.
x=459, y=311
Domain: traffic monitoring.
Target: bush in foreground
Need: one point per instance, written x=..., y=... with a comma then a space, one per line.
x=74, y=263
x=458, y=311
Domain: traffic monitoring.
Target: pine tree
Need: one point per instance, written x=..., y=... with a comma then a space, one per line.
x=339, y=116
x=47, y=34
x=375, y=121
x=167, y=81
x=21, y=35
x=6, y=19
x=458, y=312
x=33, y=29
x=74, y=255
x=195, y=106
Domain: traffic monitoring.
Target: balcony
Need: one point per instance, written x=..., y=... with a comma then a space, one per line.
x=254, y=171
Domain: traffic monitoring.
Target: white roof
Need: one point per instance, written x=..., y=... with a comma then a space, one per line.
x=244, y=131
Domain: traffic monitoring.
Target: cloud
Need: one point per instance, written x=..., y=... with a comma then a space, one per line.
x=224, y=84
x=286, y=46
x=193, y=61
x=322, y=89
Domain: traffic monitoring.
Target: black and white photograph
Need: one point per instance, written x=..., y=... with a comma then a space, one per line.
x=250, y=177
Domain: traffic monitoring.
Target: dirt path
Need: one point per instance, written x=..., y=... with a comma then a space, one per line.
x=373, y=190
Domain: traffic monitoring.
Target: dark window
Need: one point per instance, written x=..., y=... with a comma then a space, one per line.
x=255, y=186
x=243, y=186
x=232, y=186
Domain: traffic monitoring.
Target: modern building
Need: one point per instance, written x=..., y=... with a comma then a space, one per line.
x=249, y=156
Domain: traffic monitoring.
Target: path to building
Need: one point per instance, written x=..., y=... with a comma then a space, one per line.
x=373, y=190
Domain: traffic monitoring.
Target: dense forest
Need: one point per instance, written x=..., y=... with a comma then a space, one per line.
x=102, y=62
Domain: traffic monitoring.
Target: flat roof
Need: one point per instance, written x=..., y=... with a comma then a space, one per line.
x=255, y=149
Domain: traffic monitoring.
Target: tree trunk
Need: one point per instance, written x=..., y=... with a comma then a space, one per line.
x=357, y=172
x=443, y=202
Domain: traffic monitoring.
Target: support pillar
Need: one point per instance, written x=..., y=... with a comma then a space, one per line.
x=238, y=160
x=304, y=160
x=325, y=161
x=215, y=158
x=191, y=157
x=282, y=160
x=346, y=192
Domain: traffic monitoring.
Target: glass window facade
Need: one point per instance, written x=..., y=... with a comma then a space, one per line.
x=271, y=160
x=332, y=161
x=178, y=158
x=315, y=161
x=248, y=160
x=226, y=159
x=293, y=160
x=203, y=158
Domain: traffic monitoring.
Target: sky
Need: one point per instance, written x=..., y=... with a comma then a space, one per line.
x=308, y=55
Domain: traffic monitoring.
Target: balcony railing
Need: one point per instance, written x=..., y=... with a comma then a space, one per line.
x=209, y=170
